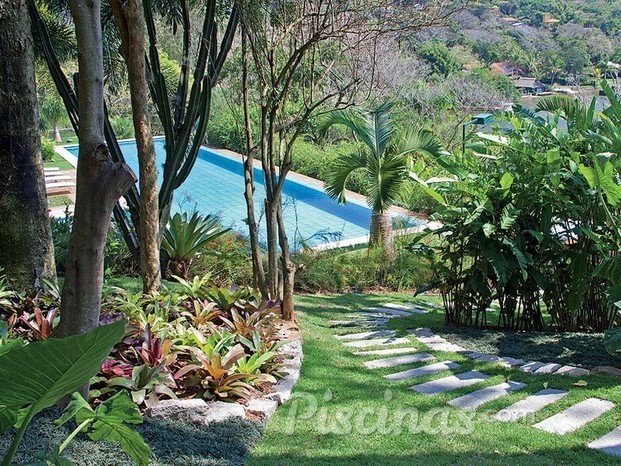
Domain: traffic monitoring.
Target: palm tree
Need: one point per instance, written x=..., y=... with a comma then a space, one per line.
x=385, y=156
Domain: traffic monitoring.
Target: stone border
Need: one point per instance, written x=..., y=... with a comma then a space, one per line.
x=438, y=343
x=198, y=411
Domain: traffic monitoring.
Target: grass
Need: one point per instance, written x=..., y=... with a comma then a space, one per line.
x=339, y=383
x=59, y=201
x=59, y=162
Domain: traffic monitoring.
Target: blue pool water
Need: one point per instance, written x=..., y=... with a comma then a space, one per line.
x=216, y=186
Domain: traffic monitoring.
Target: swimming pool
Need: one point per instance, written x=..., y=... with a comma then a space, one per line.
x=216, y=186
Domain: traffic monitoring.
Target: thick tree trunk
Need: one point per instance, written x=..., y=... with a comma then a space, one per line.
x=381, y=235
x=26, y=250
x=129, y=18
x=100, y=181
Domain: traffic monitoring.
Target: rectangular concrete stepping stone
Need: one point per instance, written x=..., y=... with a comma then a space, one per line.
x=576, y=416
x=572, y=371
x=448, y=347
x=358, y=323
x=388, y=311
x=550, y=368
x=480, y=397
x=609, y=443
x=420, y=332
x=399, y=360
x=510, y=362
x=377, y=315
x=452, y=382
x=386, y=352
x=366, y=335
x=530, y=405
x=376, y=342
x=487, y=357
x=532, y=366
x=407, y=307
x=424, y=370
x=431, y=339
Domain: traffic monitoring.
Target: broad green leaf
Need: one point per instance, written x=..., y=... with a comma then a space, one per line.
x=506, y=181
x=612, y=340
x=4, y=330
x=429, y=191
x=11, y=345
x=604, y=180
x=553, y=158
x=489, y=229
x=41, y=373
x=581, y=383
x=8, y=417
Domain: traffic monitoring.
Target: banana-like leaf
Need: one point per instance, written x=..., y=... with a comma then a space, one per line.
x=612, y=340
x=36, y=376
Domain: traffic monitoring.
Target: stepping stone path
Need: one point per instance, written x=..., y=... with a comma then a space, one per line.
x=530, y=405
x=564, y=422
x=424, y=370
x=386, y=352
x=366, y=335
x=576, y=416
x=452, y=382
x=609, y=443
x=377, y=342
x=399, y=360
x=480, y=397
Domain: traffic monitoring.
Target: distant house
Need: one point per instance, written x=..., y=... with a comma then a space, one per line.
x=529, y=86
x=548, y=20
x=507, y=69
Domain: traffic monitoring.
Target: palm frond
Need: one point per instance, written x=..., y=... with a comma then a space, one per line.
x=420, y=141
x=335, y=184
x=385, y=176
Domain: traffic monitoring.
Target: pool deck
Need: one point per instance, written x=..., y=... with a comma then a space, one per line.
x=354, y=198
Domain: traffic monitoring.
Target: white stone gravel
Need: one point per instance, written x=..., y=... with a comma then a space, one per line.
x=575, y=417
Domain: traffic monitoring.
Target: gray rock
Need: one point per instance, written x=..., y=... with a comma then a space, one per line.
x=531, y=366
x=573, y=371
x=292, y=348
x=376, y=342
x=424, y=370
x=399, y=360
x=366, y=335
x=452, y=382
x=378, y=315
x=576, y=416
x=431, y=339
x=407, y=307
x=550, y=368
x=480, y=397
x=530, y=405
x=284, y=387
x=488, y=358
x=196, y=411
x=386, y=352
x=609, y=443
x=262, y=408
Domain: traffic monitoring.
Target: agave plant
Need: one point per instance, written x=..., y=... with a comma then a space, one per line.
x=183, y=239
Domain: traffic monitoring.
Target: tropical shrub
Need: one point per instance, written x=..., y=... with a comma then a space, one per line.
x=47, y=150
x=184, y=238
x=523, y=223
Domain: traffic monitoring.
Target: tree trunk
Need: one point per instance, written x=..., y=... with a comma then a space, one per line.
x=100, y=181
x=26, y=250
x=288, y=271
x=56, y=133
x=130, y=21
x=381, y=235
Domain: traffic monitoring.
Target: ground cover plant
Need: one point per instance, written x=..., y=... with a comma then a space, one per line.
x=293, y=436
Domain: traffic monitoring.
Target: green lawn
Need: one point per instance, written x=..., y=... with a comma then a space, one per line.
x=59, y=162
x=331, y=372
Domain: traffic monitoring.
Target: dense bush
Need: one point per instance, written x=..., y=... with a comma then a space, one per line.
x=47, y=150
x=525, y=223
